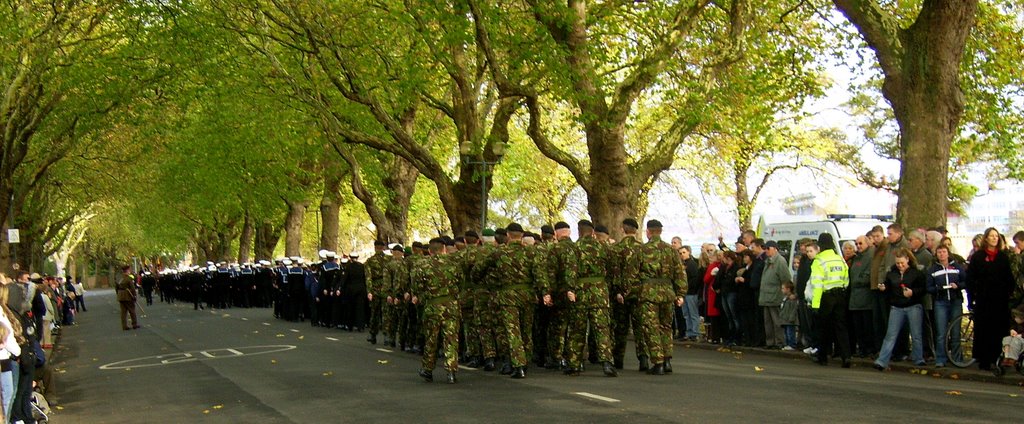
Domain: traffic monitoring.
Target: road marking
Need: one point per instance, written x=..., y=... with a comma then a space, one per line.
x=202, y=355
x=380, y=349
x=294, y=330
x=332, y=339
x=467, y=368
x=593, y=396
x=245, y=319
x=266, y=323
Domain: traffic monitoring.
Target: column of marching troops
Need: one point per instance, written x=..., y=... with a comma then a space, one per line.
x=499, y=300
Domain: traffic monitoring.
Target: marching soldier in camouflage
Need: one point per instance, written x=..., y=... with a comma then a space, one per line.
x=485, y=304
x=395, y=307
x=376, y=279
x=511, y=263
x=662, y=280
x=417, y=266
x=588, y=303
x=563, y=265
x=626, y=293
x=439, y=296
x=542, y=313
x=467, y=299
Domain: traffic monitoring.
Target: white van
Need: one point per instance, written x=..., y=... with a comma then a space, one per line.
x=842, y=228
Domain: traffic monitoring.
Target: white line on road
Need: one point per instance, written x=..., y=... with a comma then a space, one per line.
x=593, y=396
x=245, y=319
x=294, y=330
x=380, y=349
x=332, y=339
x=234, y=351
x=266, y=323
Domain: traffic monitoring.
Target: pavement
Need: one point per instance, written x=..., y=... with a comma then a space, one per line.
x=242, y=365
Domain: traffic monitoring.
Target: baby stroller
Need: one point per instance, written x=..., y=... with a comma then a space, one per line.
x=1004, y=363
x=40, y=408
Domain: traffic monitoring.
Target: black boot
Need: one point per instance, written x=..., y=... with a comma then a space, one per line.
x=489, y=364
x=550, y=364
x=427, y=375
x=474, y=362
x=572, y=371
x=451, y=377
x=609, y=370
x=520, y=372
x=563, y=364
x=644, y=365
x=657, y=369
x=372, y=338
x=618, y=363
x=668, y=365
x=506, y=368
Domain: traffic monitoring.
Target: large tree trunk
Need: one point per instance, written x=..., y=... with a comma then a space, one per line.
x=293, y=227
x=401, y=182
x=330, y=207
x=265, y=240
x=613, y=194
x=245, y=240
x=921, y=65
x=744, y=207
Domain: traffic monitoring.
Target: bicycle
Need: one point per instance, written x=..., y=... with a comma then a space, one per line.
x=960, y=340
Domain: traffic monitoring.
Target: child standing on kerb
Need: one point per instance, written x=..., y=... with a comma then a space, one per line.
x=788, y=314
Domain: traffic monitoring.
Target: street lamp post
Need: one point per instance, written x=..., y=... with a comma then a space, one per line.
x=485, y=166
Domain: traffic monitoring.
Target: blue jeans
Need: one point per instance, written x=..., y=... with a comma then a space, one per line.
x=732, y=315
x=7, y=390
x=790, y=331
x=692, y=313
x=946, y=311
x=897, y=317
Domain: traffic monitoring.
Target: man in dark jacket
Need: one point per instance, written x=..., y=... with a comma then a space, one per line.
x=354, y=294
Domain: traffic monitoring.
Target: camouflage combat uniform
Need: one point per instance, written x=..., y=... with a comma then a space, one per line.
x=376, y=279
x=438, y=293
x=511, y=265
x=563, y=266
x=625, y=268
x=662, y=280
x=485, y=283
x=590, y=310
x=396, y=311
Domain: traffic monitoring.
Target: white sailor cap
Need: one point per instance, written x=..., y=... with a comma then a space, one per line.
x=332, y=255
x=323, y=253
x=287, y=261
x=264, y=262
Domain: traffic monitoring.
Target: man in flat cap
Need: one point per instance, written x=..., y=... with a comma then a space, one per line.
x=376, y=278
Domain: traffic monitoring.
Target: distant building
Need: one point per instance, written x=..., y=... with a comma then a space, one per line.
x=1001, y=207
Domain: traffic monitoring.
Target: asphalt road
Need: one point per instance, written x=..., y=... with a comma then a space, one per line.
x=243, y=366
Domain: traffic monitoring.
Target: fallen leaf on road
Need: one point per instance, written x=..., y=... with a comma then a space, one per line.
x=301, y=337
x=218, y=406
x=758, y=369
x=225, y=315
x=181, y=340
x=273, y=361
x=256, y=332
x=954, y=376
x=328, y=374
x=127, y=369
x=280, y=335
x=95, y=359
x=206, y=411
x=1013, y=395
x=937, y=375
x=382, y=361
x=954, y=393
x=60, y=408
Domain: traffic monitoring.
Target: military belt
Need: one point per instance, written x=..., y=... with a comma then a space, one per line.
x=590, y=282
x=440, y=299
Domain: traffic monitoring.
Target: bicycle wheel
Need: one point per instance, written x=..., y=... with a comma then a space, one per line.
x=960, y=340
